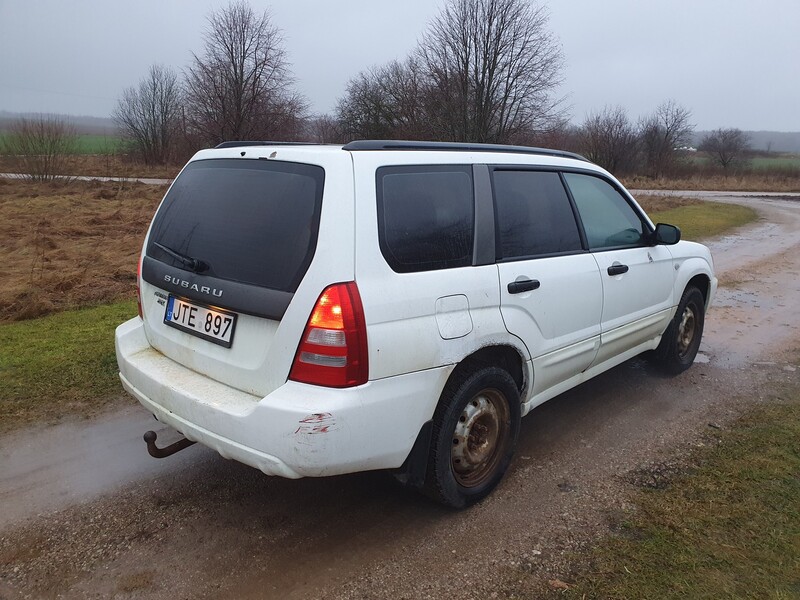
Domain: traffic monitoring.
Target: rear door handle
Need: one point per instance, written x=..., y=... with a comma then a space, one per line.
x=617, y=269
x=523, y=285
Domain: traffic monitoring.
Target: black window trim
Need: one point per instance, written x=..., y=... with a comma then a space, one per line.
x=233, y=295
x=499, y=259
x=483, y=190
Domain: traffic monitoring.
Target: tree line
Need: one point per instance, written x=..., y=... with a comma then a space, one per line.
x=483, y=71
x=653, y=145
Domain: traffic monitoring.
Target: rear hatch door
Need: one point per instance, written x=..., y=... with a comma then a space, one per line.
x=228, y=252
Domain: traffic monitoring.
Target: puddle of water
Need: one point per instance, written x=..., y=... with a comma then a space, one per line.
x=48, y=468
x=729, y=297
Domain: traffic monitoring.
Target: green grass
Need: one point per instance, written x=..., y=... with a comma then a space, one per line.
x=98, y=144
x=778, y=160
x=60, y=364
x=784, y=161
x=706, y=219
x=92, y=144
x=729, y=527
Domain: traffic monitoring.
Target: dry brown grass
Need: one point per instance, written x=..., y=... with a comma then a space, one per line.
x=654, y=204
x=104, y=165
x=744, y=183
x=70, y=244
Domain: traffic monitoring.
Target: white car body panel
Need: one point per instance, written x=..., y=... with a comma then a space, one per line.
x=560, y=321
x=637, y=305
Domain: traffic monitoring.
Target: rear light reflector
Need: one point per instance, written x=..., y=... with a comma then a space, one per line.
x=326, y=360
x=333, y=349
x=327, y=337
x=138, y=288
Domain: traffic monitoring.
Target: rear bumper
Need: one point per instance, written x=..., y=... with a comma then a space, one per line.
x=298, y=430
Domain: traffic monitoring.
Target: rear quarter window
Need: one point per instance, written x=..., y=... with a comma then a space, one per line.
x=426, y=217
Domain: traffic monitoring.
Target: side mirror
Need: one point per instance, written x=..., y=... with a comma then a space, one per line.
x=666, y=234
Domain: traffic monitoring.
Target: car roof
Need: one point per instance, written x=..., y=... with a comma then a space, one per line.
x=409, y=145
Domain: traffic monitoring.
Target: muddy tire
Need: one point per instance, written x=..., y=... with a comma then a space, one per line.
x=681, y=340
x=474, y=435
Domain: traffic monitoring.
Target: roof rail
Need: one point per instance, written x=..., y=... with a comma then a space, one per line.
x=235, y=144
x=456, y=146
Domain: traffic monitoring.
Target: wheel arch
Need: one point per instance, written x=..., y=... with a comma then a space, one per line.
x=505, y=356
x=703, y=283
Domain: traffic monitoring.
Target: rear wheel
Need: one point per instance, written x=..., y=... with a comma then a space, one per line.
x=681, y=340
x=475, y=432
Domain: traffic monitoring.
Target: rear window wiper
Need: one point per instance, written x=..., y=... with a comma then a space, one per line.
x=194, y=264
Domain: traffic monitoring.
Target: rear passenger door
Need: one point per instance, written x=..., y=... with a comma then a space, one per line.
x=637, y=277
x=550, y=288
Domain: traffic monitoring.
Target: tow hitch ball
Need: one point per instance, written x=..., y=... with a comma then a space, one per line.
x=156, y=452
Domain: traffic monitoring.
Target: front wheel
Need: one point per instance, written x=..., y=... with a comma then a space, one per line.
x=681, y=340
x=474, y=435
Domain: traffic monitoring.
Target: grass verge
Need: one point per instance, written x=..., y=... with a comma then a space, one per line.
x=60, y=364
x=706, y=219
x=728, y=527
x=755, y=181
x=99, y=144
x=102, y=163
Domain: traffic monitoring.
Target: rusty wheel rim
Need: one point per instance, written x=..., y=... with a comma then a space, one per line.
x=686, y=331
x=480, y=438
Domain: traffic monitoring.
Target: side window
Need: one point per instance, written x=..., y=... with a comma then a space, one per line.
x=608, y=219
x=426, y=217
x=533, y=215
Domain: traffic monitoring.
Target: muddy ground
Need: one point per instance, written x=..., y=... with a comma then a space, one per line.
x=87, y=514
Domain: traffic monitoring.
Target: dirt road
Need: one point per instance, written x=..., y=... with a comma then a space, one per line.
x=86, y=513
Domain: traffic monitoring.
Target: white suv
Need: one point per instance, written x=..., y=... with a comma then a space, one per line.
x=316, y=310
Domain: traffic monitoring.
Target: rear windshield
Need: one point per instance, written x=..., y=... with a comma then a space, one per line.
x=251, y=221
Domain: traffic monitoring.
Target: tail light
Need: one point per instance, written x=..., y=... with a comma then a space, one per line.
x=333, y=349
x=138, y=289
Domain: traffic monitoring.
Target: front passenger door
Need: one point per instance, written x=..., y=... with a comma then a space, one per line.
x=550, y=289
x=637, y=277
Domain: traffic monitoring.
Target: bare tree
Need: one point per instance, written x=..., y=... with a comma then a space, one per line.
x=363, y=112
x=493, y=68
x=561, y=135
x=39, y=147
x=324, y=129
x=385, y=102
x=610, y=139
x=148, y=114
x=663, y=134
x=241, y=86
x=726, y=147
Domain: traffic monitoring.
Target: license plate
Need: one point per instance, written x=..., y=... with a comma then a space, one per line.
x=208, y=323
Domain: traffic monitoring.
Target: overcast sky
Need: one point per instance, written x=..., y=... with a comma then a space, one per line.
x=733, y=63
